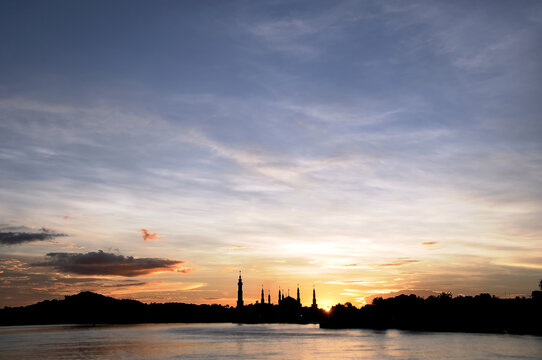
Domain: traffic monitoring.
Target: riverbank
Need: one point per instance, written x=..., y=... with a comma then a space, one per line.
x=479, y=314
x=260, y=341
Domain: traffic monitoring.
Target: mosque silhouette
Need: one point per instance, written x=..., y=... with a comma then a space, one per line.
x=287, y=301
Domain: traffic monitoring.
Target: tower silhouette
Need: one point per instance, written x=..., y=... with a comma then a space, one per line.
x=269, y=297
x=240, y=292
x=263, y=299
x=314, y=304
x=298, y=297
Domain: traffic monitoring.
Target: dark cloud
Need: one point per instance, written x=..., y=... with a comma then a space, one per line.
x=101, y=263
x=19, y=237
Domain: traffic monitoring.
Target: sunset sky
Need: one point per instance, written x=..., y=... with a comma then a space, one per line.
x=152, y=149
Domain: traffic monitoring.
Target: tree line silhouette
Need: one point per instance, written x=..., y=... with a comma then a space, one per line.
x=480, y=313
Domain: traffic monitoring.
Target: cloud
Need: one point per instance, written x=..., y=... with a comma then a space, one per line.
x=235, y=247
x=140, y=283
x=399, y=262
x=356, y=282
x=101, y=263
x=73, y=246
x=13, y=265
x=185, y=270
x=304, y=35
x=365, y=112
x=428, y=243
x=66, y=246
x=19, y=237
x=147, y=235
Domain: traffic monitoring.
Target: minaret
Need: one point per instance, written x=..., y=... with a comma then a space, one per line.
x=279, y=297
x=298, y=297
x=240, y=292
x=263, y=299
x=269, y=297
x=314, y=304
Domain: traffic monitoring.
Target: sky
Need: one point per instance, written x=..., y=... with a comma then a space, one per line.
x=152, y=149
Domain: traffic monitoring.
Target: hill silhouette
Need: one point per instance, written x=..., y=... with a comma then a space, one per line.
x=92, y=308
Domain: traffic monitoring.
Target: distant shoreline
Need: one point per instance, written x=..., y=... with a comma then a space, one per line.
x=480, y=314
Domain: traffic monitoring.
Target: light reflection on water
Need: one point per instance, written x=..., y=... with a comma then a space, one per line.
x=269, y=341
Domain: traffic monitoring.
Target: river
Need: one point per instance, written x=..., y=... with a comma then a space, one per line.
x=262, y=341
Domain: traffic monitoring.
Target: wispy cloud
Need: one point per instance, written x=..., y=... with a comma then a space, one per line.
x=304, y=35
x=235, y=247
x=122, y=285
x=356, y=282
x=345, y=114
x=399, y=262
x=73, y=246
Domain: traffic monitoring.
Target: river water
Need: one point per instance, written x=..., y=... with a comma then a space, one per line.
x=268, y=341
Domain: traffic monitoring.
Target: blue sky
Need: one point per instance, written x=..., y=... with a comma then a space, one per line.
x=366, y=147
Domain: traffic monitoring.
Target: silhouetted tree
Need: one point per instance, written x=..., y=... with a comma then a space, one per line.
x=377, y=300
x=540, y=284
x=480, y=313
